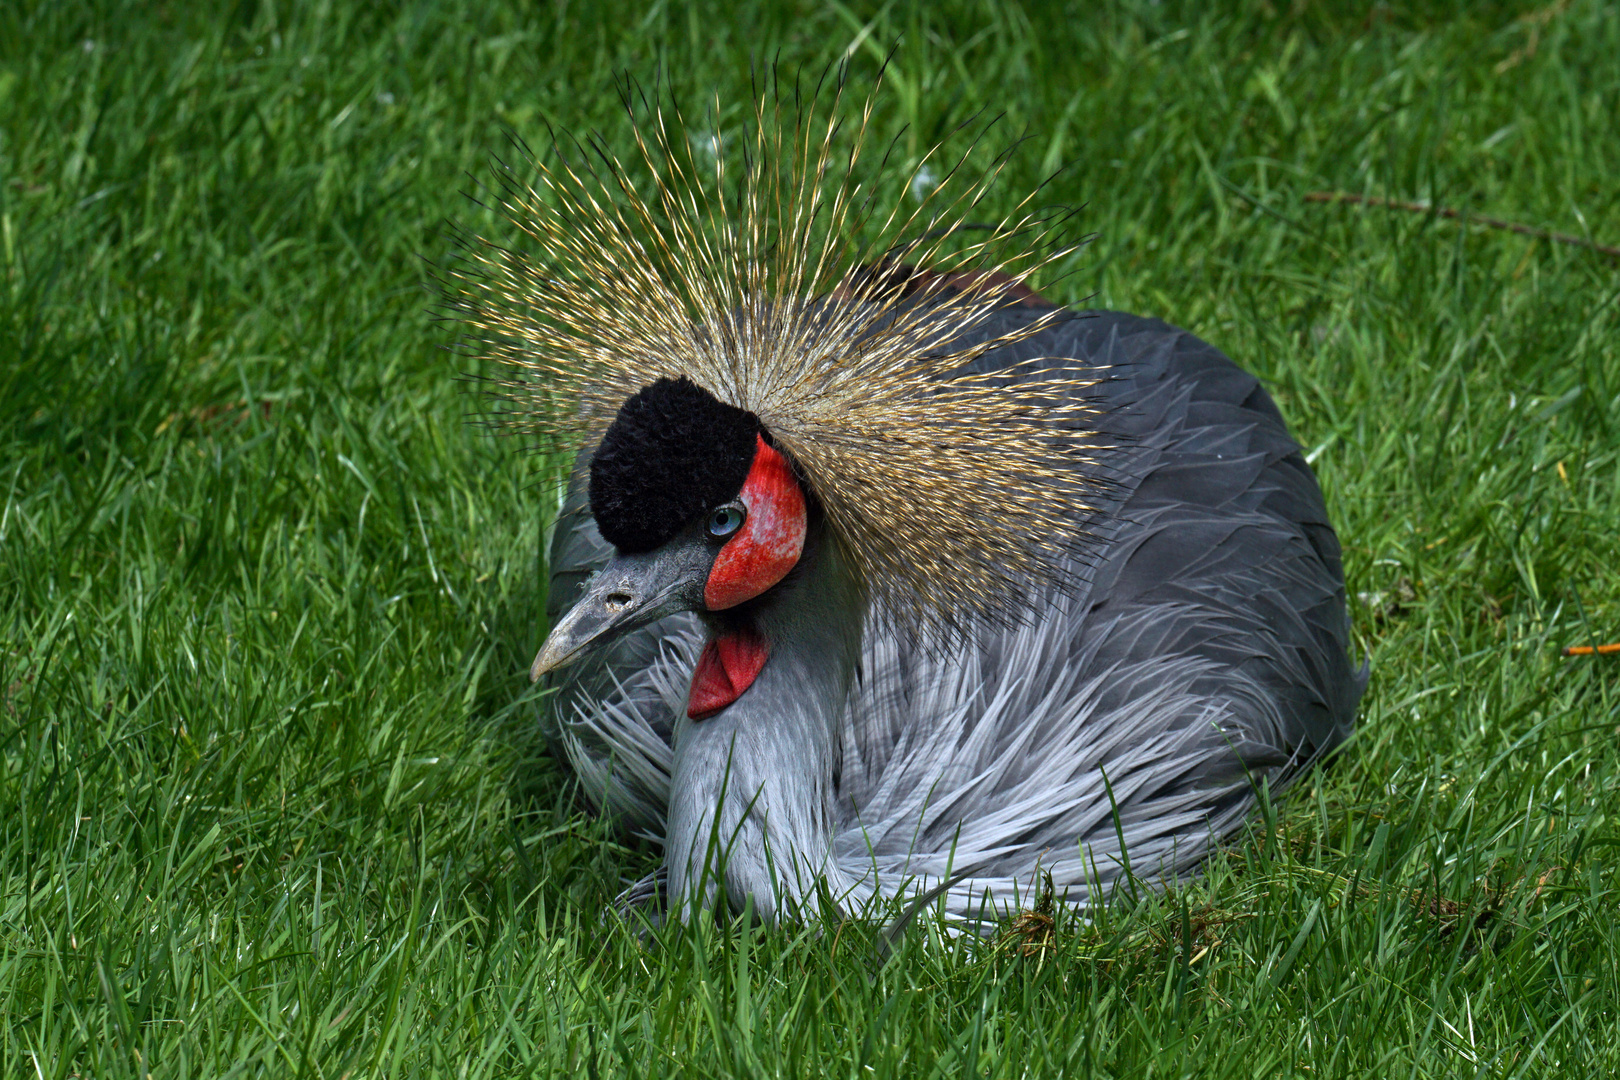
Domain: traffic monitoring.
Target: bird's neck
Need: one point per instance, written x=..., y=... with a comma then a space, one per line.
x=751, y=797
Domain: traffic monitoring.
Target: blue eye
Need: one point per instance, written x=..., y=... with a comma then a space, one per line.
x=725, y=521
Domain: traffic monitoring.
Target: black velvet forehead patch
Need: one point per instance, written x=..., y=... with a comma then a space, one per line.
x=673, y=452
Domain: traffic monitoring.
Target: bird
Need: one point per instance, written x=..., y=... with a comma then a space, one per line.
x=878, y=576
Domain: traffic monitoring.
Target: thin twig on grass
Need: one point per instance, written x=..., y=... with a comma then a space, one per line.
x=1462, y=215
x=1591, y=650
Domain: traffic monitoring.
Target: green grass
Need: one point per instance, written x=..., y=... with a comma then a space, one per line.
x=271, y=796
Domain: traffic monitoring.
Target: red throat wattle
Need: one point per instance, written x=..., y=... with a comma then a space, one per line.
x=728, y=666
x=760, y=554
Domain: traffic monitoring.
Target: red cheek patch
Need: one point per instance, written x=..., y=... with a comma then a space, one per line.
x=770, y=540
x=729, y=665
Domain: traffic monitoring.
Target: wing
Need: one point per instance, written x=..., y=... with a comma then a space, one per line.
x=1205, y=650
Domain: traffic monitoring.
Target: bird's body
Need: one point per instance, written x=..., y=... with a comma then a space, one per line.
x=881, y=579
x=1198, y=649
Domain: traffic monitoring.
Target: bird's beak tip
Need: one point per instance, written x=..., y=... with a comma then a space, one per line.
x=547, y=660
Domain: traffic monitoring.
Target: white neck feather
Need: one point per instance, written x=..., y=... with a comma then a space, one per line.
x=751, y=795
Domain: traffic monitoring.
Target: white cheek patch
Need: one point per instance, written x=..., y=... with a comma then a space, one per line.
x=769, y=543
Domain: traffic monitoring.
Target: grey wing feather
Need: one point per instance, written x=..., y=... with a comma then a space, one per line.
x=1205, y=648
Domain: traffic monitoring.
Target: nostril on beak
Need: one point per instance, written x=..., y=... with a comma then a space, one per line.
x=617, y=602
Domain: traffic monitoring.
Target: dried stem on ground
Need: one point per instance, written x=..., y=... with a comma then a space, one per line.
x=1462, y=215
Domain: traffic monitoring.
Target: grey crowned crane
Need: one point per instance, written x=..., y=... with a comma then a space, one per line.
x=880, y=576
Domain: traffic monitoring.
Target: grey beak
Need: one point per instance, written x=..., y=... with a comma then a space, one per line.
x=629, y=592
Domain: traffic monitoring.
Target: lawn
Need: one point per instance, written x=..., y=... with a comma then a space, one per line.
x=272, y=798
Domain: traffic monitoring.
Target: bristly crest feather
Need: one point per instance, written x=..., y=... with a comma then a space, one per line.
x=957, y=497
